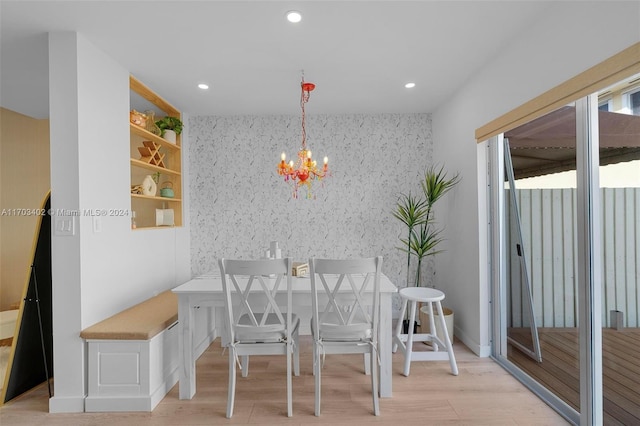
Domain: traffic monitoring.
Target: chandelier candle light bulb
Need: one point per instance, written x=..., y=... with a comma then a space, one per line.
x=305, y=170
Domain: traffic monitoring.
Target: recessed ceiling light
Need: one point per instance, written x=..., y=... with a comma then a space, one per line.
x=294, y=16
x=203, y=86
x=410, y=85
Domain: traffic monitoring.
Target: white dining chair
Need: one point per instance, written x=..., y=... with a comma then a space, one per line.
x=256, y=324
x=348, y=323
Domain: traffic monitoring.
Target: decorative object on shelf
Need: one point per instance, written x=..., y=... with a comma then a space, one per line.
x=150, y=153
x=167, y=190
x=138, y=118
x=133, y=220
x=170, y=127
x=305, y=170
x=136, y=189
x=149, y=186
x=165, y=217
x=151, y=126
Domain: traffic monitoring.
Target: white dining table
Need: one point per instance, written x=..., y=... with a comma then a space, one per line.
x=206, y=291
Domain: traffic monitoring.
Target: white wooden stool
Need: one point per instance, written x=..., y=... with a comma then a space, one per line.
x=405, y=341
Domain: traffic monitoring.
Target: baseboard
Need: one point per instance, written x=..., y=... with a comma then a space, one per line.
x=162, y=391
x=58, y=404
x=117, y=404
x=483, y=351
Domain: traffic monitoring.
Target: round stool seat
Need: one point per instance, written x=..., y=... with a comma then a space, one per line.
x=421, y=294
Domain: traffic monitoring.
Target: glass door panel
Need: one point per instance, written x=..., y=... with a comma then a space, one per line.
x=619, y=136
x=540, y=245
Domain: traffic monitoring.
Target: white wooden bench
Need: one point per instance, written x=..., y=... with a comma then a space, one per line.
x=133, y=356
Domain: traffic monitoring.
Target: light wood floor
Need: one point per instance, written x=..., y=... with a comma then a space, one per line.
x=482, y=394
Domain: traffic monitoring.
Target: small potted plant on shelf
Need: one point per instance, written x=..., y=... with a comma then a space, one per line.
x=170, y=127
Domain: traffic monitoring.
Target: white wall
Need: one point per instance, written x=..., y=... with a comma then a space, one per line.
x=96, y=273
x=570, y=38
x=239, y=203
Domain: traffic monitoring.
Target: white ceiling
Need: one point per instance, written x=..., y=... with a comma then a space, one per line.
x=359, y=54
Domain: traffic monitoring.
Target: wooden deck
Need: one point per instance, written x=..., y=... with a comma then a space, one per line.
x=559, y=369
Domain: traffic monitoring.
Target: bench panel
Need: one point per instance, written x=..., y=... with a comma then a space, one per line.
x=118, y=368
x=115, y=367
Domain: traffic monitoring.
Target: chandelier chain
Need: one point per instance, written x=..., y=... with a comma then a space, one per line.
x=303, y=100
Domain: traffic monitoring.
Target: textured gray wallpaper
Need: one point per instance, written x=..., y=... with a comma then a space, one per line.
x=239, y=203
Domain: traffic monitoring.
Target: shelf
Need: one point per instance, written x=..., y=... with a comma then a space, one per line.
x=143, y=165
x=145, y=134
x=156, y=198
x=150, y=154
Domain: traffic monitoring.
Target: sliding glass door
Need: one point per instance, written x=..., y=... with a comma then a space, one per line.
x=565, y=208
x=539, y=285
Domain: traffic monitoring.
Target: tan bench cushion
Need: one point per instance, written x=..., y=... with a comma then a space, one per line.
x=139, y=322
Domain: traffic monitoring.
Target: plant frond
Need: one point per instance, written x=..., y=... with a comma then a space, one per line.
x=410, y=210
x=424, y=242
x=436, y=183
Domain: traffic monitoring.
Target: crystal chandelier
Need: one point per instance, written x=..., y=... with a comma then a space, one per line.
x=305, y=170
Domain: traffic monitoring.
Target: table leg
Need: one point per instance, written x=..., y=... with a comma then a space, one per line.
x=187, y=384
x=385, y=342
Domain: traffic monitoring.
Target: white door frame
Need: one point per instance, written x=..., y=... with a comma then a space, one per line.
x=589, y=262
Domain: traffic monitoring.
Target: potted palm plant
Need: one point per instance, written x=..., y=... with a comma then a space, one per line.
x=170, y=127
x=434, y=186
x=411, y=211
x=423, y=235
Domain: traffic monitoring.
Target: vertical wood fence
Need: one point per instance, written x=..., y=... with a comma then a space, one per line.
x=548, y=218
